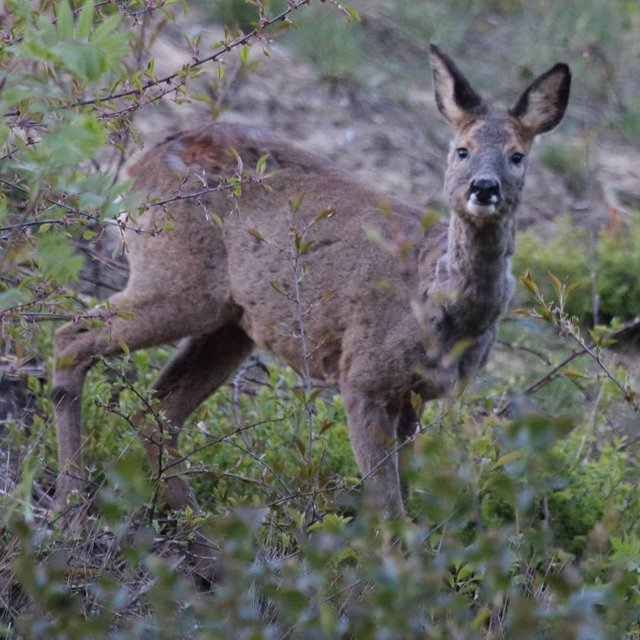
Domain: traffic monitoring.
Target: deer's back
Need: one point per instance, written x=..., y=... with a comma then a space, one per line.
x=356, y=262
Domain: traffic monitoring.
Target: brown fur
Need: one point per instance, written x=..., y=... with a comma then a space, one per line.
x=379, y=326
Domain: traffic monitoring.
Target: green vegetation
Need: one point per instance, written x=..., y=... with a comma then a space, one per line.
x=571, y=256
x=569, y=163
x=337, y=48
x=524, y=517
x=526, y=526
x=239, y=14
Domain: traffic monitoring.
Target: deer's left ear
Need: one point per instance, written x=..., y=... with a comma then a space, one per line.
x=541, y=107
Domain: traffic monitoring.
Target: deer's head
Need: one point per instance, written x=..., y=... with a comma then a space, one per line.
x=488, y=156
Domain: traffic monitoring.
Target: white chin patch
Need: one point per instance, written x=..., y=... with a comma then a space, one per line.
x=478, y=209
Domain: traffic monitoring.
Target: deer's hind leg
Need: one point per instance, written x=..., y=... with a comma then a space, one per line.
x=138, y=321
x=201, y=365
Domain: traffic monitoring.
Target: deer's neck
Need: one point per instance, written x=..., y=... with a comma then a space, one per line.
x=475, y=276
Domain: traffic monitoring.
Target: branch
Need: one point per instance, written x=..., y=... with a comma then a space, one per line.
x=626, y=391
x=553, y=373
x=254, y=33
x=118, y=222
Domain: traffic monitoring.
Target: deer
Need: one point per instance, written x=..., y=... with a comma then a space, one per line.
x=385, y=330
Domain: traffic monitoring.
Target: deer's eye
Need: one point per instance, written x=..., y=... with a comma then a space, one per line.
x=517, y=157
x=462, y=152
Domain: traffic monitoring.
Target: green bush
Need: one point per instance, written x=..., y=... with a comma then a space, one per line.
x=338, y=48
x=568, y=162
x=628, y=123
x=240, y=13
x=514, y=527
x=570, y=257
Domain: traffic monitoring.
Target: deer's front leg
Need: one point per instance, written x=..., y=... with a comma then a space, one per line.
x=373, y=425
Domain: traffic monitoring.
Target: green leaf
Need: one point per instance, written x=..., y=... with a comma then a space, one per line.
x=296, y=203
x=72, y=142
x=102, y=31
x=85, y=21
x=529, y=283
x=353, y=13
x=123, y=345
x=4, y=133
x=327, y=213
x=201, y=97
x=244, y=54
x=256, y=234
x=506, y=459
x=13, y=298
x=276, y=287
x=64, y=21
x=300, y=445
x=464, y=572
x=82, y=59
x=429, y=219
x=303, y=247
x=556, y=283
x=216, y=218
x=261, y=165
x=545, y=312
x=57, y=259
x=574, y=373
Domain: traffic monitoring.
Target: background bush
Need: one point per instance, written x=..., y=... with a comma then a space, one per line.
x=601, y=268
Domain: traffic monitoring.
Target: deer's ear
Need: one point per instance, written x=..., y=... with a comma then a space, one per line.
x=541, y=107
x=455, y=97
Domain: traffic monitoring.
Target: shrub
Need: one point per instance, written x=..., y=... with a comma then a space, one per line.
x=338, y=49
x=570, y=257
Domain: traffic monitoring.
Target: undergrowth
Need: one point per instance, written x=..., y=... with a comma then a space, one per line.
x=522, y=525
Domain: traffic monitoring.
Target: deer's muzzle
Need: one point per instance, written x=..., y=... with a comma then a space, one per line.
x=484, y=196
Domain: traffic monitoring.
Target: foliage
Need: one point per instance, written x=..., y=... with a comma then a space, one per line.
x=515, y=528
x=596, y=36
x=241, y=14
x=573, y=257
x=435, y=22
x=629, y=121
x=337, y=48
x=569, y=163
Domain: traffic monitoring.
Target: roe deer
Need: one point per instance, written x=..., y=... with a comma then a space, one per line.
x=210, y=283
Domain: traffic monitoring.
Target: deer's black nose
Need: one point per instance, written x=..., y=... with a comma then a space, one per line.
x=485, y=190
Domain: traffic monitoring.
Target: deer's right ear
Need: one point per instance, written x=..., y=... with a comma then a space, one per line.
x=455, y=97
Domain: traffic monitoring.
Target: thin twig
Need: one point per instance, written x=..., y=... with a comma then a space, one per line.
x=222, y=186
x=553, y=373
x=598, y=360
x=239, y=41
x=297, y=281
x=512, y=345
